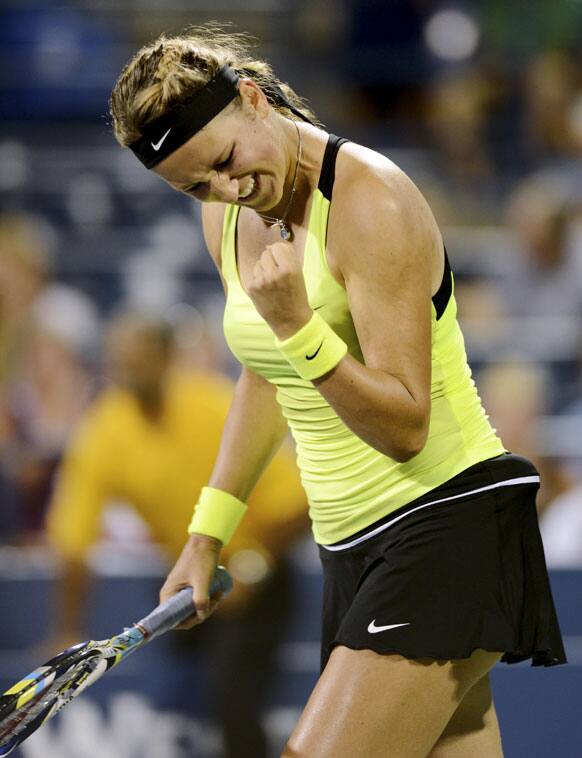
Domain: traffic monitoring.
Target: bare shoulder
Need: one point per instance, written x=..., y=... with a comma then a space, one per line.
x=212, y=222
x=374, y=199
x=384, y=242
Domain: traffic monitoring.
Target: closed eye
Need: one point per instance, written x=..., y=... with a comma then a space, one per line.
x=223, y=164
x=226, y=162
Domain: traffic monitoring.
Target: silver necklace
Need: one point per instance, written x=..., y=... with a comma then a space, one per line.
x=284, y=230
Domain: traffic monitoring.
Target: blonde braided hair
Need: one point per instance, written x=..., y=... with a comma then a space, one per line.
x=170, y=70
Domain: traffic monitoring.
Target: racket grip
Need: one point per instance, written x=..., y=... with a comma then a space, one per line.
x=169, y=614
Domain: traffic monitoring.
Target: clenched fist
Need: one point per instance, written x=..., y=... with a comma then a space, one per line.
x=277, y=289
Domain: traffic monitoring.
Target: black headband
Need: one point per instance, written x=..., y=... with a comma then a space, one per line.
x=164, y=135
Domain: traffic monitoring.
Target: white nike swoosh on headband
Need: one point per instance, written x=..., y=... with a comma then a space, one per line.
x=373, y=629
x=157, y=146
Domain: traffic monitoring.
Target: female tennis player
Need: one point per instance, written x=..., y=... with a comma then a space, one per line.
x=340, y=307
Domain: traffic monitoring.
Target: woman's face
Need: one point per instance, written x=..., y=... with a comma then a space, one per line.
x=239, y=157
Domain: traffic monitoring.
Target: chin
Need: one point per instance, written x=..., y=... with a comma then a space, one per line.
x=269, y=201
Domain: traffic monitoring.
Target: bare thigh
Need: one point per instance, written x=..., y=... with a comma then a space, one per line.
x=367, y=705
x=473, y=730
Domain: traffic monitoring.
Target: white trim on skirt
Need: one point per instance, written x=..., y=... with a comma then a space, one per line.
x=383, y=527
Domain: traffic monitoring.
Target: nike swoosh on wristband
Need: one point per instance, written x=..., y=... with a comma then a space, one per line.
x=373, y=629
x=157, y=146
x=311, y=357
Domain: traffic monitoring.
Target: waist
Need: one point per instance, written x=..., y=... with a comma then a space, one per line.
x=505, y=470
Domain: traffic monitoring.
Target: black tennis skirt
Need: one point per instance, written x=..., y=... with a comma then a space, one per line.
x=458, y=569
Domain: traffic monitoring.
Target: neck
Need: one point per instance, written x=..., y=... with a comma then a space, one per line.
x=279, y=215
x=151, y=403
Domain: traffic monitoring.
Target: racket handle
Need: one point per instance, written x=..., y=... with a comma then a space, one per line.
x=169, y=614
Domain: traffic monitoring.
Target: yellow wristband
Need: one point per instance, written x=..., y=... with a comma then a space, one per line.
x=217, y=514
x=314, y=350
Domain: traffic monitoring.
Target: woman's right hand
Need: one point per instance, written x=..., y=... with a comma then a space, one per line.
x=195, y=568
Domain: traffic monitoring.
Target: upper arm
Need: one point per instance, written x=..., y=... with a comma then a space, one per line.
x=383, y=238
x=82, y=487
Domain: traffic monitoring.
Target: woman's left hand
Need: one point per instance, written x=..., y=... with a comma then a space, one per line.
x=277, y=289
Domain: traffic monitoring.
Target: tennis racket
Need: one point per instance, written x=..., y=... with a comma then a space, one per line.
x=46, y=690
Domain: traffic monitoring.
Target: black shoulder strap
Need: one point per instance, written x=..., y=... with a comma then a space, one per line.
x=443, y=295
x=325, y=186
x=327, y=175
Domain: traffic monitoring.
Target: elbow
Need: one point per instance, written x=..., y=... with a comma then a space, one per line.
x=410, y=444
x=404, y=454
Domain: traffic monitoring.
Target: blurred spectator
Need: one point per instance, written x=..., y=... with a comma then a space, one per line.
x=462, y=179
x=46, y=331
x=515, y=395
x=542, y=282
x=50, y=391
x=151, y=440
x=457, y=109
x=561, y=528
x=553, y=98
x=561, y=521
x=24, y=268
x=545, y=279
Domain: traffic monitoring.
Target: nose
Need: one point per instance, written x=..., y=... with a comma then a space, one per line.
x=224, y=187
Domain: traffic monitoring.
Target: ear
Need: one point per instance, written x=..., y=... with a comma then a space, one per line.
x=254, y=100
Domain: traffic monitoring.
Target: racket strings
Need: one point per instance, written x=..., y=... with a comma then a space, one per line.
x=40, y=679
x=53, y=685
x=41, y=700
x=24, y=716
x=46, y=703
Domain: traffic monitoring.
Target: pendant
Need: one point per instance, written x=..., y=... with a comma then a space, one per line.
x=284, y=232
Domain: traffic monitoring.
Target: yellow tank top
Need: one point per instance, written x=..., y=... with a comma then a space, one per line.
x=349, y=484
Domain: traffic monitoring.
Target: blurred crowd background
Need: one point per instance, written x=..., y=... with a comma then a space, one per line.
x=479, y=101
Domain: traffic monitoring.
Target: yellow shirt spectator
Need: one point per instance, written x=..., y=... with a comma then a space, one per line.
x=160, y=467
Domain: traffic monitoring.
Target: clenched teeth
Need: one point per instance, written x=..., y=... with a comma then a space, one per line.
x=249, y=188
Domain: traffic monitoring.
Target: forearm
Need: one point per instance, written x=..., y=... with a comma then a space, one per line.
x=377, y=407
x=388, y=412
x=253, y=432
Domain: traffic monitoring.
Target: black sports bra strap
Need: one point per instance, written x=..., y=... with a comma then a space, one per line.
x=327, y=175
x=325, y=186
x=442, y=297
